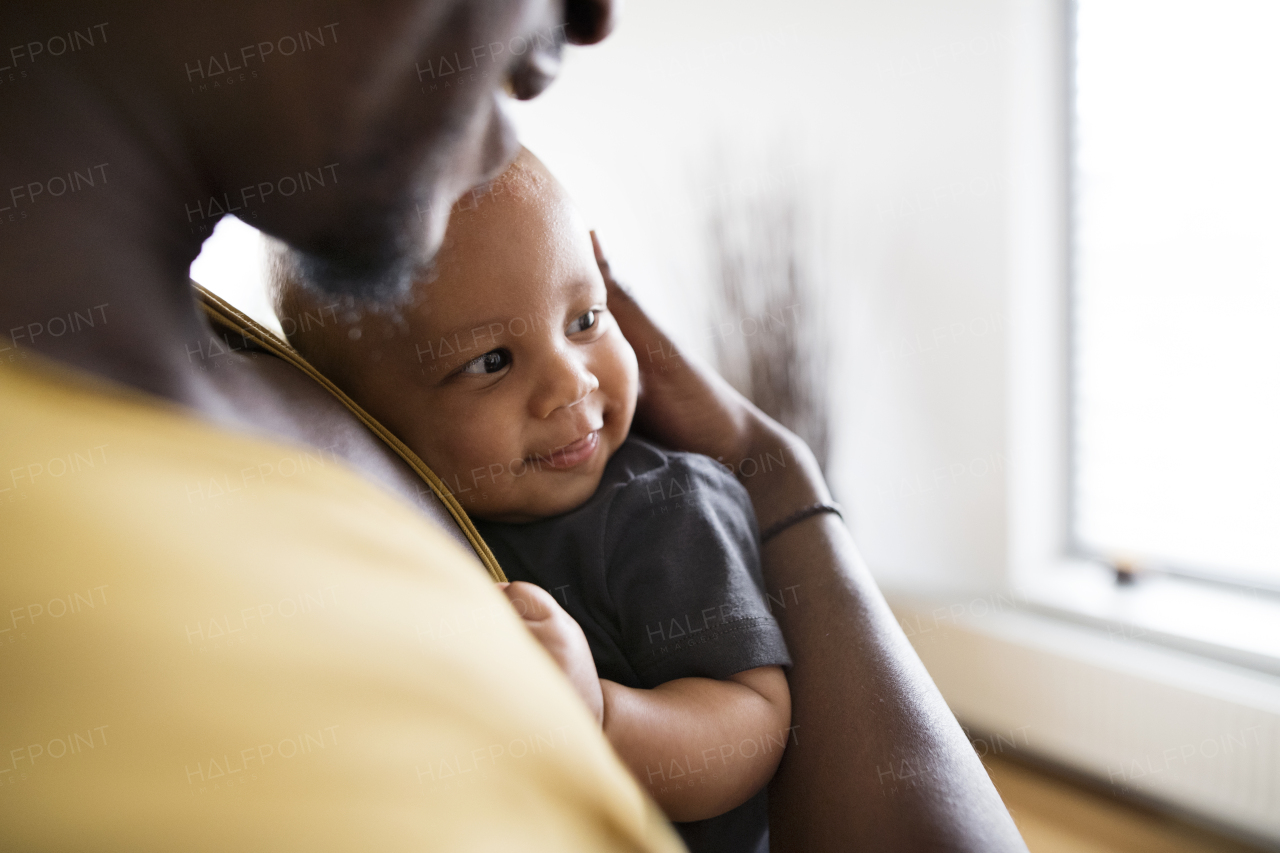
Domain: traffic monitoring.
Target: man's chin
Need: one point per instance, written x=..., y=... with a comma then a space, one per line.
x=372, y=282
x=379, y=278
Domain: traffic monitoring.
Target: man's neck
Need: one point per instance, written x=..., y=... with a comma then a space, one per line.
x=93, y=248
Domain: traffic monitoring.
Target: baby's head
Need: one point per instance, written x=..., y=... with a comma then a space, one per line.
x=505, y=372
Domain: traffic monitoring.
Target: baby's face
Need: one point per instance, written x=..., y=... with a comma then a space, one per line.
x=519, y=386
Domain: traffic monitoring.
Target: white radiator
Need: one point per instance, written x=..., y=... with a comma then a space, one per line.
x=1197, y=737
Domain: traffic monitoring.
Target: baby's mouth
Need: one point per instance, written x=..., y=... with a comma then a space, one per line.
x=570, y=455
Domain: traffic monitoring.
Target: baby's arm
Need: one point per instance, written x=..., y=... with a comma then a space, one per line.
x=701, y=746
x=697, y=727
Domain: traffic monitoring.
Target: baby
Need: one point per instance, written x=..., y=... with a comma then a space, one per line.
x=508, y=376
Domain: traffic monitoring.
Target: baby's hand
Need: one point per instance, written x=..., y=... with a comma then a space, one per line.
x=562, y=637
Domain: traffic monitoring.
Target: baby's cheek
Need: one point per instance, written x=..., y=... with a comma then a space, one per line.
x=481, y=443
x=475, y=450
x=619, y=381
x=449, y=451
x=622, y=366
x=483, y=457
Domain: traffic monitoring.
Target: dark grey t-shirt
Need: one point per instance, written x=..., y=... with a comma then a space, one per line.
x=661, y=568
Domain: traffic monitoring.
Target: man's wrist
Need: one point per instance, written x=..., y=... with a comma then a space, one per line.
x=781, y=474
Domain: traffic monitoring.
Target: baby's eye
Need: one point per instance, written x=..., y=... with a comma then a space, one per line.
x=490, y=362
x=586, y=321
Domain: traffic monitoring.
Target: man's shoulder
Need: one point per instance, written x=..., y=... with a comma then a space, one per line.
x=229, y=565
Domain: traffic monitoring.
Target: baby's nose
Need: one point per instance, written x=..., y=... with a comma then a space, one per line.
x=566, y=382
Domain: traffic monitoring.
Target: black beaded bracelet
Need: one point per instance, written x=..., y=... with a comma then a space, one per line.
x=796, y=517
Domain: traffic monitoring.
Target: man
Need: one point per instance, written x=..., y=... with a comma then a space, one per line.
x=226, y=623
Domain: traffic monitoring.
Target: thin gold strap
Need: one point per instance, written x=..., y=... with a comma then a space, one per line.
x=223, y=314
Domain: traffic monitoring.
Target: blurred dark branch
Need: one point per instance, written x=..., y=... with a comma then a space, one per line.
x=771, y=332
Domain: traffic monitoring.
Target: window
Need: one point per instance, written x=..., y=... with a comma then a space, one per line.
x=1176, y=286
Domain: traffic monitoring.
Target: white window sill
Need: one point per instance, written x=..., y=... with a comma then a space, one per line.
x=1234, y=625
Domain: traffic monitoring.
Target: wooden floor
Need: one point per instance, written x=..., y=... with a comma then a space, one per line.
x=1056, y=816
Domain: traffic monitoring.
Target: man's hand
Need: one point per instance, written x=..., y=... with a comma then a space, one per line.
x=683, y=403
x=686, y=405
x=562, y=637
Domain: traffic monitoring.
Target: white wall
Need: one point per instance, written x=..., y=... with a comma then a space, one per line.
x=896, y=118
x=905, y=123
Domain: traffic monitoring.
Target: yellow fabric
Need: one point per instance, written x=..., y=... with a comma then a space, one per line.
x=227, y=316
x=209, y=641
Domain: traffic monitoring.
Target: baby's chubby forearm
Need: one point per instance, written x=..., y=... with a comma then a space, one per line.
x=701, y=746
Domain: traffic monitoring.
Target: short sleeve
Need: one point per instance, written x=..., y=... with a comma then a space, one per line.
x=683, y=570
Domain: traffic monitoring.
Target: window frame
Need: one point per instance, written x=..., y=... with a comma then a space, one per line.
x=1047, y=567
x=1075, y=547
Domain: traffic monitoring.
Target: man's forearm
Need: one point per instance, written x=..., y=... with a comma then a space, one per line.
x=684, y=739
x=862, y=700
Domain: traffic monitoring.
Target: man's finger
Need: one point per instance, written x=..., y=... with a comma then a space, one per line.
x=606, y=272
x=640, y=331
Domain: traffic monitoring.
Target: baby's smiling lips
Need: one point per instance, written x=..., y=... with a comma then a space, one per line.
x=570, y=455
